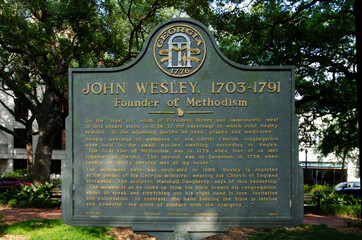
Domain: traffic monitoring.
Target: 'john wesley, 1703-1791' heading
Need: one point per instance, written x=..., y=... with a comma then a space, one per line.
x=184, y=88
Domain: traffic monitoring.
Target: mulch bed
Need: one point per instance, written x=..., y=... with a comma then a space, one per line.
x=233, y=234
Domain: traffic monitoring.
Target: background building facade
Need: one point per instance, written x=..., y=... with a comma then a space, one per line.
x=12, y=150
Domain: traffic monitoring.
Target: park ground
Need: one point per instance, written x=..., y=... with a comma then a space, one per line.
x=17, y=215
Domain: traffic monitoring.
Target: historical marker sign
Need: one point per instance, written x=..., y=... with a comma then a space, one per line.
x=182, y=138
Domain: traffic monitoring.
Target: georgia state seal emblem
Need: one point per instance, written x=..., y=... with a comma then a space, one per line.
x=179, y=50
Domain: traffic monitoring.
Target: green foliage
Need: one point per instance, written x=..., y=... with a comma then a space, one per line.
x=22, y=173
x=2, y=218
x=29, y=197
x=341, y=210
x=319, y=38
x=57, y=183
x=331, y=198
x=334, y=203
x=317, y=188
x=40, y=40
x=45, y=229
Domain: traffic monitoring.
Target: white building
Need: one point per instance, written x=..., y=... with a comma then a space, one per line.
x=12, y=150
x=325, y=170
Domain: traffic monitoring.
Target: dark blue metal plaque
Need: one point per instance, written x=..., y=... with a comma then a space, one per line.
x=182, y=138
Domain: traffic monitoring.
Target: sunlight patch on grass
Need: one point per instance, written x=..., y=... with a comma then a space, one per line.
x=47, y=229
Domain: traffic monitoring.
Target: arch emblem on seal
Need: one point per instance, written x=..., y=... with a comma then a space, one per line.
x=179, y=50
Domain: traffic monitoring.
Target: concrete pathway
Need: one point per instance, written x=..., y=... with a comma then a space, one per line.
x=330, y=221
x=15, y=215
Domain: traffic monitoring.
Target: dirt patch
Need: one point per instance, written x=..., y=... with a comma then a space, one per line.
x=233, y=234
x=12, y=237
x=350, y=230
x=128, y=234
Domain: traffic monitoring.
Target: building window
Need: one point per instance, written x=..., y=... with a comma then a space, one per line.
x=18, y=142
x=59, y=141
x=19, y=164
x=55, y=167
x=20, y=109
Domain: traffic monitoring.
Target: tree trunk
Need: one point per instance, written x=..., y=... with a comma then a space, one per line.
x=29, y=147
x=43, y=158
x=49, y=124
x=29, y=156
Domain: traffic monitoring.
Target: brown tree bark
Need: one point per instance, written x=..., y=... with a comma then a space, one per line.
x=49, y=122
x=29, y=156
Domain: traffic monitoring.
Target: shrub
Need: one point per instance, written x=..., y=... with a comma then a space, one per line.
x=29, y=197
x=318, y=188
x=342, y=210
x=333, y=203
x=2, y=218
x=57, y=183
x=22, y=173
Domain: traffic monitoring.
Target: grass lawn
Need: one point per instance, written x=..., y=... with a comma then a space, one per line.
x=45, y=229
x=57, y=229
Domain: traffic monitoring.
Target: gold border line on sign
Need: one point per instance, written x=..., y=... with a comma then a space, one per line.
x=188, y=112
x=162, y=112
x=199, y=112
